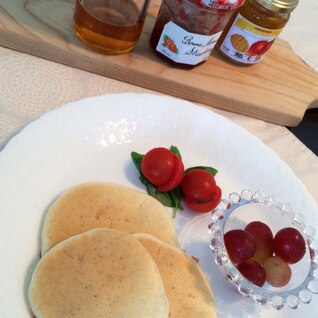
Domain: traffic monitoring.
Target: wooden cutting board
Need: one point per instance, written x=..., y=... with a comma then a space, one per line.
x=279, y=89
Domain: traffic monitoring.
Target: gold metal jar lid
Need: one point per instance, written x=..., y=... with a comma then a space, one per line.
x=281, y=6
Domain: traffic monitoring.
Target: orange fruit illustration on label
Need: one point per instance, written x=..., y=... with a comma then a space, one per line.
x=239, y=42
x=166, y=42
x=169, y=43
x=172, y=47
x=259, y=48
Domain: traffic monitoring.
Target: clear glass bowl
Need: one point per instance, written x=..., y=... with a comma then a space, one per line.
x=239, y=210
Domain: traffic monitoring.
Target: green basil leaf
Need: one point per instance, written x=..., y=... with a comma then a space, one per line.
x=212, y=170
x=164, y=197
x=176, y=196
x=169, y=199
x=137, y=158
x=176, y=151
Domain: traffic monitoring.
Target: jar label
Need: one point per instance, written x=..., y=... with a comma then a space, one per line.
x=221, y=4
x=185, y=47
x=247, y=42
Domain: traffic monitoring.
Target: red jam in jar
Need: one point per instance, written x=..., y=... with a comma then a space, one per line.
x=186, y=31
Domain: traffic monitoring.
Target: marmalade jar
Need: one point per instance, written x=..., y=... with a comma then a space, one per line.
x=252, y=30
x=186, y=31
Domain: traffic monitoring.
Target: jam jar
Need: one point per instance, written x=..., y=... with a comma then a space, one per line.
x=253, y=28
x=186, y=31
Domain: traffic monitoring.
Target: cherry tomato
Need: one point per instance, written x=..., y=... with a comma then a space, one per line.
x=162, y=168
x=198, y=185
x=200, y=190
x=208, y=205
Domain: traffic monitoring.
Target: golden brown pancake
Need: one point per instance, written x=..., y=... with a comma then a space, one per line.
x=98, y=204
x=187, y=289
x=99, y=273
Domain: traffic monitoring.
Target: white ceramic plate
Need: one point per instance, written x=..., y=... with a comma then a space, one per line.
x=92, y=140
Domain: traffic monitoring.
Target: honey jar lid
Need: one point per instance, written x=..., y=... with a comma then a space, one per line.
x=221, y=4
x=280, y=6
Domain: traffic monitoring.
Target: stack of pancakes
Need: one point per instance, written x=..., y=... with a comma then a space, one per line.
x=110, y=251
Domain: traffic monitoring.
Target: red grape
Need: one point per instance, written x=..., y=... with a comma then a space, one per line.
x=263, y=237
x=278, y=272
x=253, y=271
x=289, y=245
x=240, y=245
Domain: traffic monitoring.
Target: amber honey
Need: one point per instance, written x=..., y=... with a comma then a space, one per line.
x=113, y=27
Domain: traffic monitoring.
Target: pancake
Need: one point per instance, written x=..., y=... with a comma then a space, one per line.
x=98, y=204
x=187, y=289
x=99, y=273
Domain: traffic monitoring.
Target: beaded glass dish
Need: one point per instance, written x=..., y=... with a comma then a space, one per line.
x=240, y=209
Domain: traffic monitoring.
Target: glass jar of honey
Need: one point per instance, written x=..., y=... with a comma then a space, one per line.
x=253, y=28
x=110, y=26
x=186, y=31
